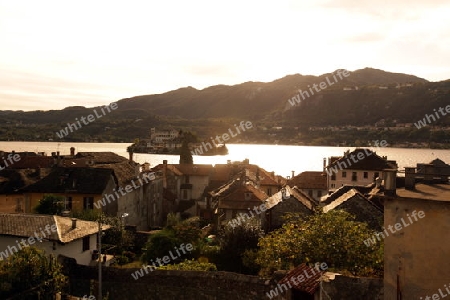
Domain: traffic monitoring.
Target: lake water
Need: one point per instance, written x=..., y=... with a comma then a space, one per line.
x=280, y=159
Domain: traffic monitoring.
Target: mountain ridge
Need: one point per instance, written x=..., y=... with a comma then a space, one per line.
x=380, y=96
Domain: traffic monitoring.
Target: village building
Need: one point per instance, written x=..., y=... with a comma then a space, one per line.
x=55, y=235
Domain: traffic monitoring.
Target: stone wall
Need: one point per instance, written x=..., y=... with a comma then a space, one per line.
x=197, y=285
x=168, y=284
x=353, y=288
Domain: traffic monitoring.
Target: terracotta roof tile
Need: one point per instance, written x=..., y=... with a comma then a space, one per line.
x=309, y=180
x=303, y=278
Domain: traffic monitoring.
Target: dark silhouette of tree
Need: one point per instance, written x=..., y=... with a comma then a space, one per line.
x=50, y=205
x=185, y=154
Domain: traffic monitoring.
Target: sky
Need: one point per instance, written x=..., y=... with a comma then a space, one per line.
x=55, y=54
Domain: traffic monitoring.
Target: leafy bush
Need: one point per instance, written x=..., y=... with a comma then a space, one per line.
x=50, y=205
x=190, y=265
x=30, y=272
x=130, y=255
x=122, y=260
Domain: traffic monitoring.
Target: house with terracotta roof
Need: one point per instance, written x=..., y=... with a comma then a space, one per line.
x=187, y=181
x=312, y=183
x=239, y=196
x=54, y=234
x=266, y=181
x=359, y=167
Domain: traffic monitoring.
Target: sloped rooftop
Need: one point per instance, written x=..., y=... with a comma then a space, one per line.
x=80, y=180
x=309, y=180
x=30, y=225
x=307, y=279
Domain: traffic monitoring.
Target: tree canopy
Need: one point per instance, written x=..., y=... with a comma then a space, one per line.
x=50, y=205
x=28, y=273
x=334, y=238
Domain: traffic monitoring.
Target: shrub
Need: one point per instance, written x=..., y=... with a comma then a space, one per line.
x=190, y=265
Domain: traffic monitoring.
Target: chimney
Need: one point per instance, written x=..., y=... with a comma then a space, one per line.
x=130, y=154
x=410, y=178
x=389, y=176
x=293, y=174
x=164, y=169
x=324, y=164
x=58, y=159
x=74, y=223
x=72, y=151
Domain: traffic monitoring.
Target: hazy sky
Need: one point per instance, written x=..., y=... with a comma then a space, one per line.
x=55, y=54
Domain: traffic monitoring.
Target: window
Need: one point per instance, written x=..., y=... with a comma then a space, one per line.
x=354, y=176
x=310, y=193
x=333, y=177
x=88, y=202
x=248, y=196
x=86, y=243
x=319, y=193
x=269, y=191
x=366, y=175
x=185, y=195
x=344, y=174
x=186, y=179
x=333, y=185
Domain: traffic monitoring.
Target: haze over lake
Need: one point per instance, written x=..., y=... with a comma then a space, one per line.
x=278, y=158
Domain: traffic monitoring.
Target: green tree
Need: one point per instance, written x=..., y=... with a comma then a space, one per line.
x=176, y=233
x=334, y=238
x=29, y=273
x=50, y=205
x=235, y=244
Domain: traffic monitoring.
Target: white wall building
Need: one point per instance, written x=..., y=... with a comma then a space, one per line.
x=54, y=234
x=358, y=168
